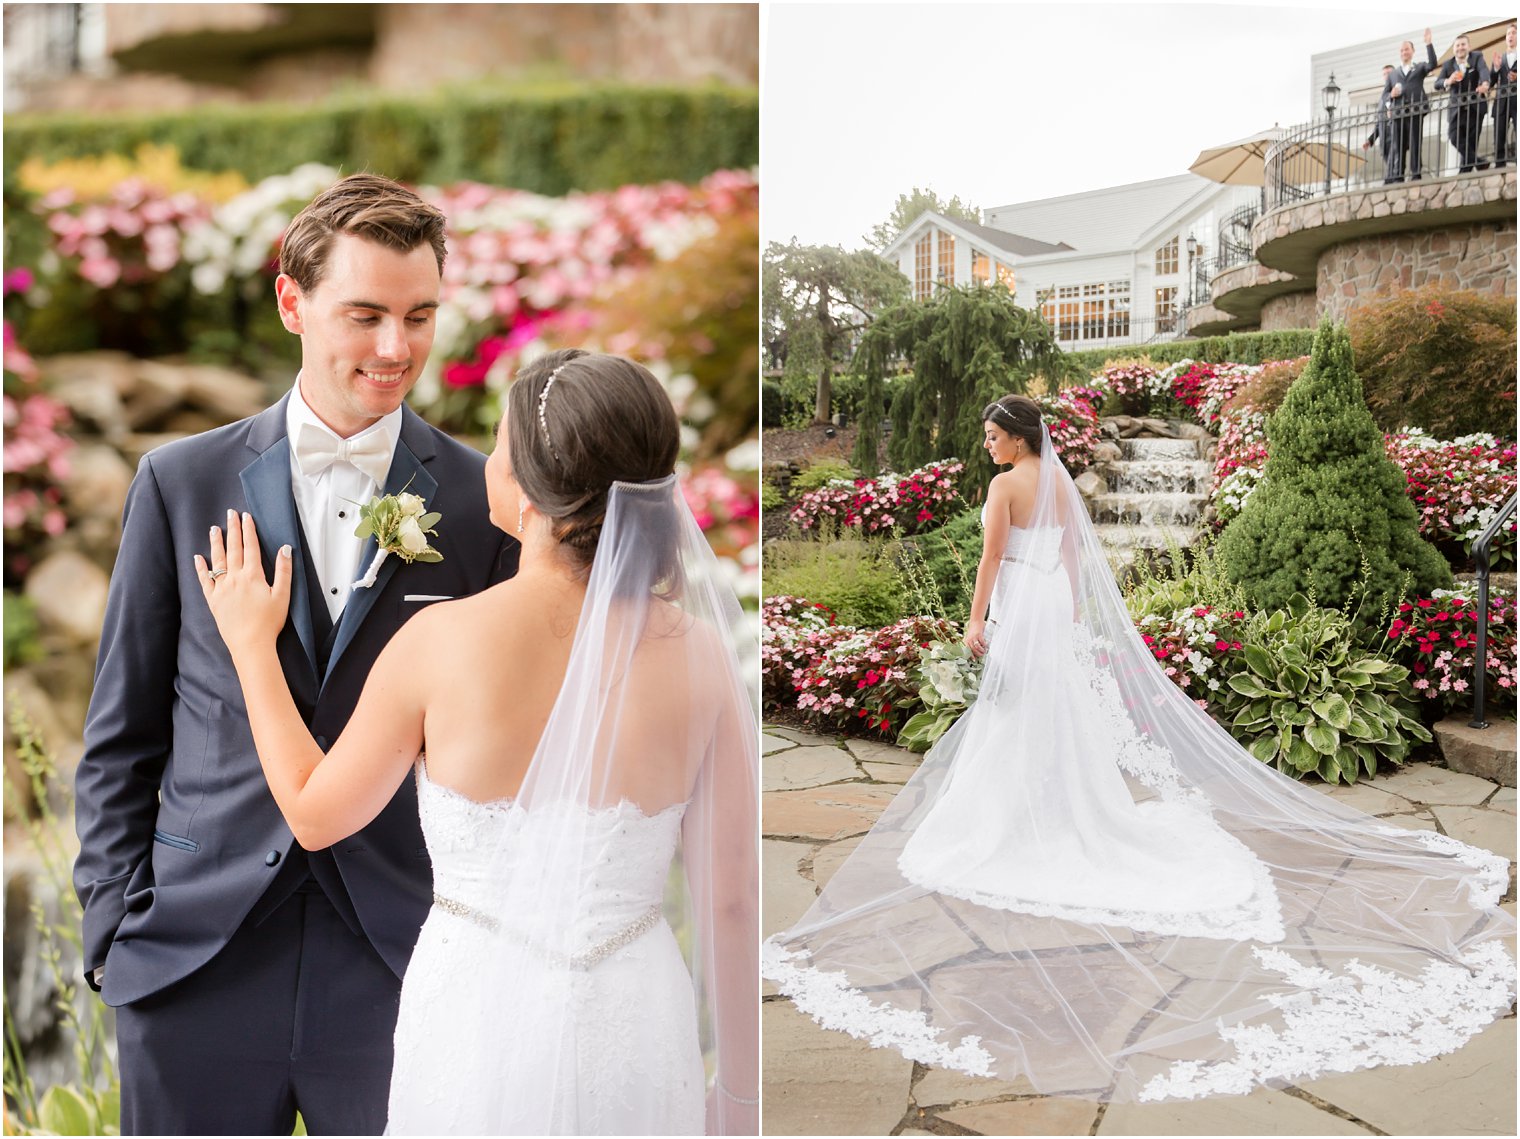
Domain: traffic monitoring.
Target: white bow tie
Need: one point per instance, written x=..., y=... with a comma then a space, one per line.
x=316, y=450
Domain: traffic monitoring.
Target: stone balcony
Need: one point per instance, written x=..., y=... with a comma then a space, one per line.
x=1319, y=257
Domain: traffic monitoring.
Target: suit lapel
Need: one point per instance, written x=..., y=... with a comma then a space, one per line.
x=266, y=488
x=407, y=473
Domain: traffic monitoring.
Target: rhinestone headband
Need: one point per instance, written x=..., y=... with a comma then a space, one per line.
x=543, y=398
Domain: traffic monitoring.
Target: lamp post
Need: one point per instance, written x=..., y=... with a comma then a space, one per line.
x=1332, y=95
x=1192, y=248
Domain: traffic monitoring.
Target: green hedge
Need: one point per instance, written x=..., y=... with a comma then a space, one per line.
x=549, y=139
x=1233, y=348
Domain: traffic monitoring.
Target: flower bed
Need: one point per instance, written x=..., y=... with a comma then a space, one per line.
x=1198, y=648
x=1072, y=417
x=1436, y=637
x=1188, y=389
x=918, y=500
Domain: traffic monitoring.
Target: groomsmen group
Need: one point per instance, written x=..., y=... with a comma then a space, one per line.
x=1469, y=80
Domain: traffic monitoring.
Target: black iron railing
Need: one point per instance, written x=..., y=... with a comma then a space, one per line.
x=1480, y=557
x=1455, y=134
x=1235, y=237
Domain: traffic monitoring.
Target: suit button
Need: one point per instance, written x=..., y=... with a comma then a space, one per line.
x=272, y=858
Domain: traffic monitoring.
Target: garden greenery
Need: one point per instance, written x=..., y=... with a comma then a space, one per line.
x=853, y=577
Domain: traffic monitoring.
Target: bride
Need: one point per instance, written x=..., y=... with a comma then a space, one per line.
x=575, y=734
x=1089, y=883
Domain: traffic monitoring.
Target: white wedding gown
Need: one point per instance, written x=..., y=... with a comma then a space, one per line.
x=629, y=1063
x=1090, y=885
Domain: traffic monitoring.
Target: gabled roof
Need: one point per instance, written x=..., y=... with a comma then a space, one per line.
x=999, y=240
x=1113, y=218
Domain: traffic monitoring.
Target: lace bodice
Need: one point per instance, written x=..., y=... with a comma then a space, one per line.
x=622, y=863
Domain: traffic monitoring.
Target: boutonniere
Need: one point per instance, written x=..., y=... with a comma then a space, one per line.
x=400, y=525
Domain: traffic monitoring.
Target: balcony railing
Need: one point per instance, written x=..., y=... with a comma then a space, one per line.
x=1340, y=154
x=1235, y=237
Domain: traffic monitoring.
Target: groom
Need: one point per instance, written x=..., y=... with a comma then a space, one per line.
x=253, y=979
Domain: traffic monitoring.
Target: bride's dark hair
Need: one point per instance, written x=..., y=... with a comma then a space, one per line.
x=1018, y=415
x=606, y=419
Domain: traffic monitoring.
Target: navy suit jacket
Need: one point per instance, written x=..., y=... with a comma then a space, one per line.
x=179, y=835
x=1414, y=100
x=1463, y=94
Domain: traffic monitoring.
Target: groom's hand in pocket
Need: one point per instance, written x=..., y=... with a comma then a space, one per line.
x=249, y=610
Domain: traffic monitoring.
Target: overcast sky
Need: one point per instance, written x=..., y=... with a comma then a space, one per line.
x=1003, y=103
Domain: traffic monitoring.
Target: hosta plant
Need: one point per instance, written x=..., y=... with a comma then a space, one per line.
x=1311, y=701
x=948, y=676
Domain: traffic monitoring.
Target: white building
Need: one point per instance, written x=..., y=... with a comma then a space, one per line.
x=1108, y=266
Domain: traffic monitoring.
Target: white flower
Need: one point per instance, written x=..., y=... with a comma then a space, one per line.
x=411, y=505
x=410, y=535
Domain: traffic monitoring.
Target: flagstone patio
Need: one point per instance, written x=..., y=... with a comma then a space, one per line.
x=822, y=793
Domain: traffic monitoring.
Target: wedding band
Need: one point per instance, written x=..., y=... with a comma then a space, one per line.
x=216, y=573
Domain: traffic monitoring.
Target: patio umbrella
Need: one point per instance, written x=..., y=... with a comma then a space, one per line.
x=1238, y=163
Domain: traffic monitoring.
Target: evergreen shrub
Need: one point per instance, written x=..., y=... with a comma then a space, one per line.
x=1332, y=506
x=855, y=578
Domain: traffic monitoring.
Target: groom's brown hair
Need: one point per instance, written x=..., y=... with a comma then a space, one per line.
x=366, y=205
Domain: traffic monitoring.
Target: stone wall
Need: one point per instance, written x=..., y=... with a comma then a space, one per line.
x=1296, y=310
x=1479, y=256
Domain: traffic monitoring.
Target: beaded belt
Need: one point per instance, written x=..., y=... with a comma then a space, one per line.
x=1051, y=568
x=579, y=961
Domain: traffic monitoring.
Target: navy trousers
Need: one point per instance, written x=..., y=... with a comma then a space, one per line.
x=297, y=1013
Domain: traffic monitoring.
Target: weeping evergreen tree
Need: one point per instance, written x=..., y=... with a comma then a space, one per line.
x=1330, y=499
x=965, y=346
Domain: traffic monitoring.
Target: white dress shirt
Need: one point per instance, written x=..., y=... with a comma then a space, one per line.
x=328, y=501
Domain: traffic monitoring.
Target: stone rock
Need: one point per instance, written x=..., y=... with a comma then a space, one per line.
x=818, y=1082
x=1480, y=827
x=770, y=744
x=97, y=482
x=830, y=858
x=1488, y=753
x=785, y=894
x=878, y=752
x=1364, y=797
x=159, y=389
x=833, y=813
x=94, y=401
x=1106, y=452
x=806, y=767
x=888, y=772
x=189, y=422
x=1090, y=484
x=1046, y=1115
x=1109, y=428
x=945, y=1085
x=1468, y=1092
x=1415, y=822
x=1503, y=800
x=69, y=592
x=1159, y=428
x=1191, y=431
x=225, y=394
x=1426, y=783
x=1263, y=1112
x=798, y=736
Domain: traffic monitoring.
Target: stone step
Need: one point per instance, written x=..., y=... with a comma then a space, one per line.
x=1486, y=752
x=1135, y=476
x=1123, y=535
x=1152, y=449
x=1170, y=509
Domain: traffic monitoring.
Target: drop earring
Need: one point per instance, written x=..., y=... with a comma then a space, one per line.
x=520, y=507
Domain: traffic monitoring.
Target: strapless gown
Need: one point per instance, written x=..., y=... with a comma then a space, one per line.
x=630, y=1063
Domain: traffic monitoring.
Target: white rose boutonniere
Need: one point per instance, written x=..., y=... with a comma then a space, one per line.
x=400, y=524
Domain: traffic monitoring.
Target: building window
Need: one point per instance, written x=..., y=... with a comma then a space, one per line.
x=1166, y=308
x=1005, y=277
x=1166, y=258
x=946, y=268
x=1118, y=309
x=923, y=267
x=981, y=267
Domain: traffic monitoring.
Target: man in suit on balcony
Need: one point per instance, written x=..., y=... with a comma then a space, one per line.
x=1382, y=129
x=1464, y=78
x=1502, y=80
x=1408, y=102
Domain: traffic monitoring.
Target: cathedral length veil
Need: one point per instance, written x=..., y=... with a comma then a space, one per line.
x=653, y=715
x=1090, y=884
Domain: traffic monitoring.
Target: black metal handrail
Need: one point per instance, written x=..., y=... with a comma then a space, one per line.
x=1235, y=237
x=1336, y=155
x=1480, y=559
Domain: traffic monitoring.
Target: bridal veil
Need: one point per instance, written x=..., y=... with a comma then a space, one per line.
x=1090, y=884
x=651, y=745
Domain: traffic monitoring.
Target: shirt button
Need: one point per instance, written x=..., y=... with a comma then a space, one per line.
x=342, y=514
x=334, y=591
x=272, y=858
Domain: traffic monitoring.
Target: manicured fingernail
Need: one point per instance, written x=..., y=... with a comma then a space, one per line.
x=247, y=517
x=284, y=551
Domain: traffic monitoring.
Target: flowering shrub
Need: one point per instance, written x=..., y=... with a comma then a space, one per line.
x=1198, y=648
x=1136, y=386
x=1204, y=389
x=912, y=502
x=35, y=453
x=1458, y=487
x=1072, y=417
x=728, y=511
x=131, y=237
x=786, y=624
x=1436, y=637
x=867, y=674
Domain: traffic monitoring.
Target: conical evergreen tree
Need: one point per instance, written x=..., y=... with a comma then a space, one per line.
x=1331, y=498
